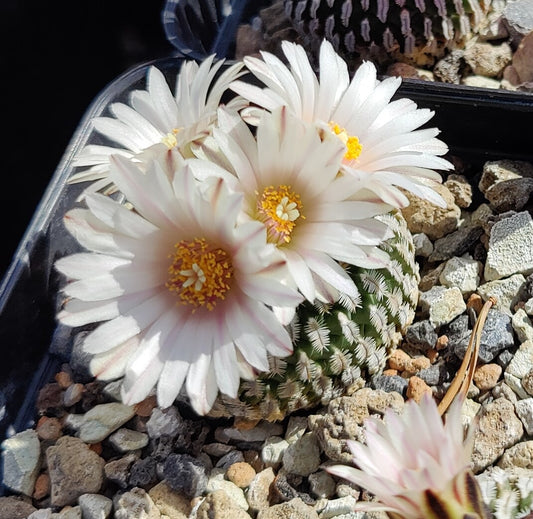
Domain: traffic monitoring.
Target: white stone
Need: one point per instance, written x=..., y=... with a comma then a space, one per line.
x=125, y=440
x=510, y=251
x=522, y=326
x=235, y=493
x=95, y=506
x=505, y=291
x=528, y=306
x=21, y=461
x=339, y=506
x=446, y=307
x=43, y=513
x=518, y=367
x=524, y=410
x=423, y=245
x=272, y=451
x=100, y=421
x=461, y=272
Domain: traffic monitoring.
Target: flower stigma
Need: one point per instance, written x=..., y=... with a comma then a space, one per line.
x=170, y=140
x=279, y=209
x=199, y=274
x=353, y=146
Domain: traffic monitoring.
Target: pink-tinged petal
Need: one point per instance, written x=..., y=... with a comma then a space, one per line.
x=331, y=272
x=85, y=264
x=396, y=123
x=120, y=133
x=112, y=333
x=348, y=211
x=86, y=230
x=257, y=95
x=422, y=191
x=111, y=364
x=96, y=154
x=162, y=98
x=201, y=384
x=225, y=364
x=274, y=335
x=241, y=162
x=334, y=79
x=150, y=194
x=300, y=273
x=360, y=88
x=180, y=355
x=269, y=291
x=146, y=364
x=366, y=113
x=304, y=76
x=79, y=313
x=147, y=133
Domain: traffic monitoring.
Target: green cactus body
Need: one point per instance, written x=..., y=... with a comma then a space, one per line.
x=418, y=30
x=336, y=346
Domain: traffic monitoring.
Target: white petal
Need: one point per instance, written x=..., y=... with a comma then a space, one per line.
x=112, y=333
x=201, y=384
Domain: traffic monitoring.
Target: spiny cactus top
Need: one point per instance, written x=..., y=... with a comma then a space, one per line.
x=417, y=29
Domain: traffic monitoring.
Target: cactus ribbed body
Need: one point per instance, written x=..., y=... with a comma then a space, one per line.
x=415, y=29
x=335, y=345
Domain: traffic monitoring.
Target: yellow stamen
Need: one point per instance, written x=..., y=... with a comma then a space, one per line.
x=279, y=209
x=199, y=274
x=170, y=138
x=353, y=146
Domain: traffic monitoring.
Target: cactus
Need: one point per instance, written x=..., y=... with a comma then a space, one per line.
x=335, y=345
x=415, y=31
x=507, y=494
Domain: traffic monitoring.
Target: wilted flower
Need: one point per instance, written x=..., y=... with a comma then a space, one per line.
x=289, y=177
x=184, y=290
x=416, y=466
x=380, y=137
x=158, y=120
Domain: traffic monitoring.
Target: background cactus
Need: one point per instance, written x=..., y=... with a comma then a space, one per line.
x=508, y=494
x=335, y=345
x=415, y=31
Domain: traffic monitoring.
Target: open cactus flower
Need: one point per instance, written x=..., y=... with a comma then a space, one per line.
x=384, y=146
x=415, y=465
x=253, y=269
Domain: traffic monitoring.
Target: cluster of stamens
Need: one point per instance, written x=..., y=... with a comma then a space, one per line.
x=199, y=274
x=279, y=209
x=353, y=146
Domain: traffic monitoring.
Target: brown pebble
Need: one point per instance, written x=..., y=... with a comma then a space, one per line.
x=432, y=355
x=63, y=379
x=241, y=474
x=390, y=372
x=420, y=363
x=50, y=398
x=243, y=424
x=399, y=360
x=442, y=343
x=254, y=459
x=416, y=388
x=475, y=302
x=42, y=486
x=487, y=376
x=146, y=406
x=403, y=70
x=48, y=428
x=96, y=447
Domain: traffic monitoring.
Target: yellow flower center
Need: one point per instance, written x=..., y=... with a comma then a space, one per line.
x=199, y=274
x=353, y=146
x=279, y=209
x=170, y=138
